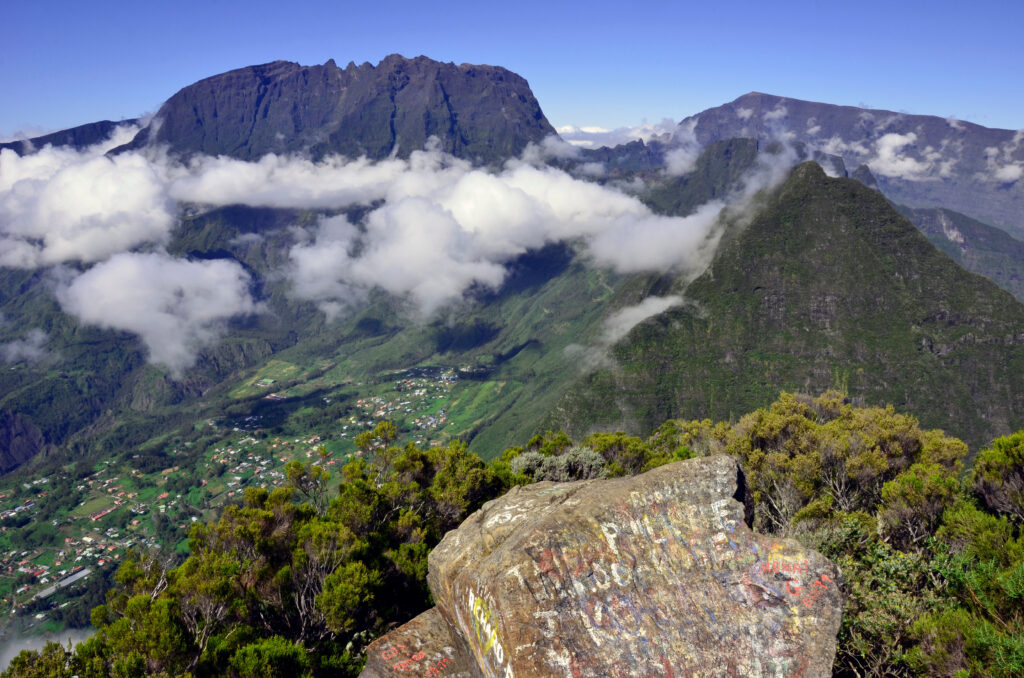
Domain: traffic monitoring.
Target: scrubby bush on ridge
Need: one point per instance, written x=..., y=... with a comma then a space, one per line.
x=294, y=582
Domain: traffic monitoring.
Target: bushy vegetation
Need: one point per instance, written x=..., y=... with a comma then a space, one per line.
x=295, y=582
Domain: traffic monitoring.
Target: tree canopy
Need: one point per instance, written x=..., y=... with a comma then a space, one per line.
x=297, y=581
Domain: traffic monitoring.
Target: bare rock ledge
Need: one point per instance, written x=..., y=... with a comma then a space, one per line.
x=655, y=575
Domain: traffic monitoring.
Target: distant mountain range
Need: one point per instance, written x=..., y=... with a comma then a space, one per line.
x=818, y=283
x=918, y=160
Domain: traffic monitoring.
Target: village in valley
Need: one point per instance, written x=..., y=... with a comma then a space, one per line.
x=62, y=535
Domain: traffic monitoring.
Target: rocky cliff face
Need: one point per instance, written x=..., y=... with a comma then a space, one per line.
x=918, y=160
x=76, y=137
x=481, y=113
x=656, y=575
x=20, y=440
x=978, y=247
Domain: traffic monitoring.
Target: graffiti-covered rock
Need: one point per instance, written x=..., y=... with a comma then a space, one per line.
x=655, y=575
x=426, y=646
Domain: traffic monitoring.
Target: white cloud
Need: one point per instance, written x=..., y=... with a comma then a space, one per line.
x=1009, y=173
x=618, y=324
x=615, y=327
x=59, y=205
x=31, y=348
x=837, y=146
x=892, y=160
x=597, y=137
x=246, y=239
x=682, y=158
x=744, y=113
x=591, y=169
x=314, y=269
x=1001, y=162
x=443, y=229
x=889, y=121
x=778, y=113
x=283, y=181
x=176, y=307
x=551, y=147
x=683, y=244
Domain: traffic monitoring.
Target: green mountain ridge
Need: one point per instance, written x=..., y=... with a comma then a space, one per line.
x=100, y=398
x=827, y=287
x=978, y=247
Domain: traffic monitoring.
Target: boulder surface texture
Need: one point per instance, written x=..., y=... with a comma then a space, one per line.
x=655, y=575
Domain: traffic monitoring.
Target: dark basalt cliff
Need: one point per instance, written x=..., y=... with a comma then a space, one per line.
x=79, y=137
x=481, y=113
x=655, y=575
x=20, y=440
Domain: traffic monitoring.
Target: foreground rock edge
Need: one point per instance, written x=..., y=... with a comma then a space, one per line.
x=654, y=575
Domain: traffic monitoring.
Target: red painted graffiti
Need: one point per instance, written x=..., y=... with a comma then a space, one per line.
x=436, y=669
x=412, y=660
x=784, y=566
x=406, y=664
x=808, y=594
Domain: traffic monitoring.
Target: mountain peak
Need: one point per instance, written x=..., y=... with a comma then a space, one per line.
x=808, y=295
x=917, y=160
x=483, y=113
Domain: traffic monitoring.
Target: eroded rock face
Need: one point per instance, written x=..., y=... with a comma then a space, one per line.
x=480, y=113
x=426, y=646
x=656, y=575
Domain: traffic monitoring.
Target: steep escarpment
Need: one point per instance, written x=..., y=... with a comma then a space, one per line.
x=20, y=440
x=78, y=137
x=481, y=113
x=655, y=575
x=978, y=247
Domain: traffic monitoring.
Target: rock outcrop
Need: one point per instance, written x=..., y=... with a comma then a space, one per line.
x=78, y=138
x=20, y=440
x=656, y=575
x=480, y=113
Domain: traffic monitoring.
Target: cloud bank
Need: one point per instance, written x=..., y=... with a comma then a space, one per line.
x=444, y=228
x=58, y=205
x=597, y=137
x=439, y=227
x=176, y=307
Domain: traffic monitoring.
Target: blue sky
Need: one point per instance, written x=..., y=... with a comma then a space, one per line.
x=596, y=63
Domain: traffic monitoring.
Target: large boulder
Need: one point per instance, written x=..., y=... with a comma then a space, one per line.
x=655, y=575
